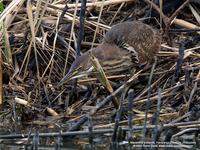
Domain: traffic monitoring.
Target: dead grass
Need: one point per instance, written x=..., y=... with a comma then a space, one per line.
x=38, y=45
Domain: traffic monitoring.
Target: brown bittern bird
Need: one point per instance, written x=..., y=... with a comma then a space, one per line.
x=125, y=46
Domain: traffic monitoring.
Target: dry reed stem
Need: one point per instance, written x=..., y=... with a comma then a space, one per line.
x=1, y=78
x=103, y=79
x=185, y=24
x=195, y=13
x=96, y=4
x=42, y=21
x=11, y=7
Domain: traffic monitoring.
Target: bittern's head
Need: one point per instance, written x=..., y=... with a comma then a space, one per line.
x=79, y=68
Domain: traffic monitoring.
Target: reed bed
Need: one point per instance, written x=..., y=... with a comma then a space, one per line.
x=39, y=41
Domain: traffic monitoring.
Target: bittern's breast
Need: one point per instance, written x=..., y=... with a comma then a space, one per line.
x=112, y=58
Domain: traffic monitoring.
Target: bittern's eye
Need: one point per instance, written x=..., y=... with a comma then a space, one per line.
x=78, y=68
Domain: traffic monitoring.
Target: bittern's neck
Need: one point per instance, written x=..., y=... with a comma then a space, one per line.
x=112, y=58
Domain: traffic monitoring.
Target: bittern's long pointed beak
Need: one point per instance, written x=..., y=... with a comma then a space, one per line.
x=67, y=77
x=74, y=75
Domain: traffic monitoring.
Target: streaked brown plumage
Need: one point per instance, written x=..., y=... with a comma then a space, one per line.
x=124, y=46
